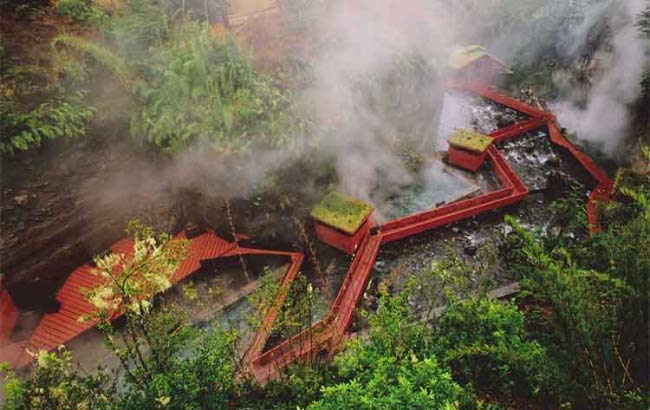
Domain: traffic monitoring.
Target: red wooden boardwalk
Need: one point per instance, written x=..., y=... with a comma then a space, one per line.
x=330, y=333
x=8, y=316
x=327, y=333
x=60, y=327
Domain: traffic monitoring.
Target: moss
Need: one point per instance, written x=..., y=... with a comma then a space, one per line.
x=470, y=140
x=342, y=212
x=466, y=55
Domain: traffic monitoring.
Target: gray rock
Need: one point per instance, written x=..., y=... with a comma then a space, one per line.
x=20, y=200
x=553, y=161
x=470, y=250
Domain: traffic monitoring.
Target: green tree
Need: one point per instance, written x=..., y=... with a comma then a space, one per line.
x=189, y=85
x=392, y=371
x=590, y=301
x=56, y=384
x=486, y=345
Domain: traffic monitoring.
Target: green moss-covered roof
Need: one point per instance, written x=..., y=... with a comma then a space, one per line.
x=470, y=140
x=466, y=55
x=342, y=212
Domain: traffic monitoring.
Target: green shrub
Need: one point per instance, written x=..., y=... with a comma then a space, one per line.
x=588, y=303
x=411, y=384
x=202, y=89
x=56, y=384
x=190, y=86
x=50, y=120
x=79, y=10
x=393, y=370
x=485, y=344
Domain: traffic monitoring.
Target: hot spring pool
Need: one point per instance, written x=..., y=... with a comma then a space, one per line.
x=436, y=183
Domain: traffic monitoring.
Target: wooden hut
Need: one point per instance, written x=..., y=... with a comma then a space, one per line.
x=474, y=65
x=467, y=149
x=342, y=221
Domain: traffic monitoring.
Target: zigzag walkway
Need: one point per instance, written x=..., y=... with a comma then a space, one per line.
x=329, y=334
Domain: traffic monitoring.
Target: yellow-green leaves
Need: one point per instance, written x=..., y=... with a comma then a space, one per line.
x=130, y=282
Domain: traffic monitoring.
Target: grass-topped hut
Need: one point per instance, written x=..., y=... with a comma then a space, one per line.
x=474, y=65
x=341, y=221
x=467, y=149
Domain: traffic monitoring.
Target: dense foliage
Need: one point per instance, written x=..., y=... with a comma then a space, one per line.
x=50, y=120
x=189, y=85
x=575, y=338
x=38, y=103
x=82, y=11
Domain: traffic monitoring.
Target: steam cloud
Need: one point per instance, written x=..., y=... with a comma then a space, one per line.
x=362, y=40
x=601, y=115
x=355, y=43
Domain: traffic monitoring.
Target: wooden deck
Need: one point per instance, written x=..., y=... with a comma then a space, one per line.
x=58, y=328
x=329, y=333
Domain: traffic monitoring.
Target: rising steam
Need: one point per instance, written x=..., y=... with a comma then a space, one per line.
x=362, y=109
x=602, y=114
x=360, y=43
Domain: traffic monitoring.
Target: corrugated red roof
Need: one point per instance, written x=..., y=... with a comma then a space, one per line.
x=57, y=328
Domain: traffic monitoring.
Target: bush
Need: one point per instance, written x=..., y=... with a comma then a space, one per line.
x=485, y=344
x=410, y=384
x=393, y=370
x=588, y=302
x=50, y=120
x=79, y=10
x=56, y=384
x=190, y=86
x=202, y=89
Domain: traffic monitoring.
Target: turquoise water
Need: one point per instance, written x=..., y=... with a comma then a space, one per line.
x=234, y=318
x=434, y=185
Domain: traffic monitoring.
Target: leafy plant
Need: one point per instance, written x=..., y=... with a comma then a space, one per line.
x=588, y=302
x=167, y=363
x=393, y=370
x=485, y=344
x=190, y=86
x=50, y=120
x=56, y=384
x=262, y=299
x=202, y=89
x=81, y=11
x=299, y=310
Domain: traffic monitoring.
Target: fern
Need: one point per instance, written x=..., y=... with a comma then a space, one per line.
x=101, y=54
x=201, y=88
x=190, y=86
x=50, y=120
